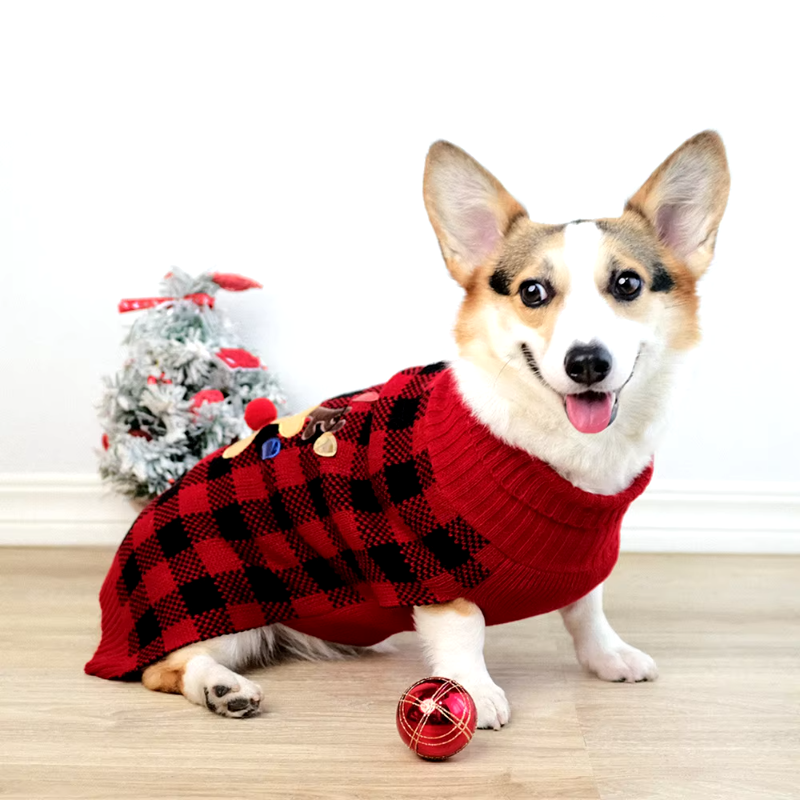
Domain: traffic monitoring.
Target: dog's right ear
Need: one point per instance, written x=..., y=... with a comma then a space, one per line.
x=468, y=207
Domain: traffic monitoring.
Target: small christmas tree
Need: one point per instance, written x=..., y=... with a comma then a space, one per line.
x=182, y=391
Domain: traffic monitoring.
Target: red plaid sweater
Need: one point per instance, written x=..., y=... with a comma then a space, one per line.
x=420, y=504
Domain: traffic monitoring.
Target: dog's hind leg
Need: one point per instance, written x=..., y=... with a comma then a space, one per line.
x=205, y=673
x=599, y=647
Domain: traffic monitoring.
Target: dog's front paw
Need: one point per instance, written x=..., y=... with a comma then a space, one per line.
x=620, y=664
x=233, y=696
x=490, y=702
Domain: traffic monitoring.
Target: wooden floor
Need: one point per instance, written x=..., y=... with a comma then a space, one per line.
x=723, y=721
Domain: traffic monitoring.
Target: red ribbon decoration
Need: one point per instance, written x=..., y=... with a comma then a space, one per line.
x=139, y=303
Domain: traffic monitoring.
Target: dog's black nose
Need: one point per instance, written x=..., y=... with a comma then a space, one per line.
x=587, y=363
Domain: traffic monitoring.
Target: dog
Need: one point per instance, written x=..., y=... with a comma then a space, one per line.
x=455, y=495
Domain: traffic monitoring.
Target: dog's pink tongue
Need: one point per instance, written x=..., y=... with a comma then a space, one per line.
x=590, y=413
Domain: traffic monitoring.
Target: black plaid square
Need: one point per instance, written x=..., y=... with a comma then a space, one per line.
x=173, y=537
x=322, y=572
x=131, y=574
x=232, y=523
x=363, y=497
x=201, y=595
x=404, y=412
x=389, y=557
x=347, y=559
x=147, y=628
x=402, y=481
x=266, y=585
x=444, y=547
x=219, y=467
x=280, y=513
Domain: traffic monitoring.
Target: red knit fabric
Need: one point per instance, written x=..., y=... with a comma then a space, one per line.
x=421, y=504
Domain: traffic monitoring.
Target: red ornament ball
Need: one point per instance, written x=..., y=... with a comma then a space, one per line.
x=260, y=412
x=436, y=718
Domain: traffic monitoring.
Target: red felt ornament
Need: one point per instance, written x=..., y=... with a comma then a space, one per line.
x=436, y=718
x=105, y=441
x=260, y=412
x=140, y=434
x=206, y=396
x=234, y=283
x=237, y=358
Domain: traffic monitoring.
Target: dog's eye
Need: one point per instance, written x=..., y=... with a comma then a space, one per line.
x=533, y=293
x=626, y=285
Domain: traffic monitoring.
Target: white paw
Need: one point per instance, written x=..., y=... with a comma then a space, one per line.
x=490, y=702
x=621, y=664
x=220, y=690
x=239, y=698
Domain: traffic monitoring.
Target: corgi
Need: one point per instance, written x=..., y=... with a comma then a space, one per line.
x=455, y=495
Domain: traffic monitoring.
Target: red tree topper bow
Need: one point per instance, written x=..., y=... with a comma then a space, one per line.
x=225, y=280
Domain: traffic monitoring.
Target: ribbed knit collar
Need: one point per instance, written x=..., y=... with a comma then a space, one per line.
x=504, y=492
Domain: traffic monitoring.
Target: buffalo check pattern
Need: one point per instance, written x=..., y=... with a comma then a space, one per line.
x=243, y=542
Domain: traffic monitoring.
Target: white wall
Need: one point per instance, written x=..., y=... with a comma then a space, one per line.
x=286, y=142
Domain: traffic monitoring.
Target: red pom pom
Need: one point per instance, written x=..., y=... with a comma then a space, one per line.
x=237, y=358
x=140, y=434
x=260, y=412
x=207, y=396
x=234, y=283
x=105, y=441
x=436, y=718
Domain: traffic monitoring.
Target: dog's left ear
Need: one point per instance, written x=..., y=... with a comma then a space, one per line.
x=685, y=198
x=468, y=207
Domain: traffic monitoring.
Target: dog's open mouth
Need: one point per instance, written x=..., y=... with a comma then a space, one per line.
x=589, y=412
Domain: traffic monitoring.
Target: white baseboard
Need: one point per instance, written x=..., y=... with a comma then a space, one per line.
x=48, y=509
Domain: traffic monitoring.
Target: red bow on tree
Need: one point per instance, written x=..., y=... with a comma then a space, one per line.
x=225, y=280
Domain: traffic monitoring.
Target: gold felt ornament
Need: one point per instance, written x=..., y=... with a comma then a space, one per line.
x=291, y=426
x=239, y=447
x=326, y=446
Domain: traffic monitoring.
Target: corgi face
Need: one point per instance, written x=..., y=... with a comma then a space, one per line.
x=574, y=321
